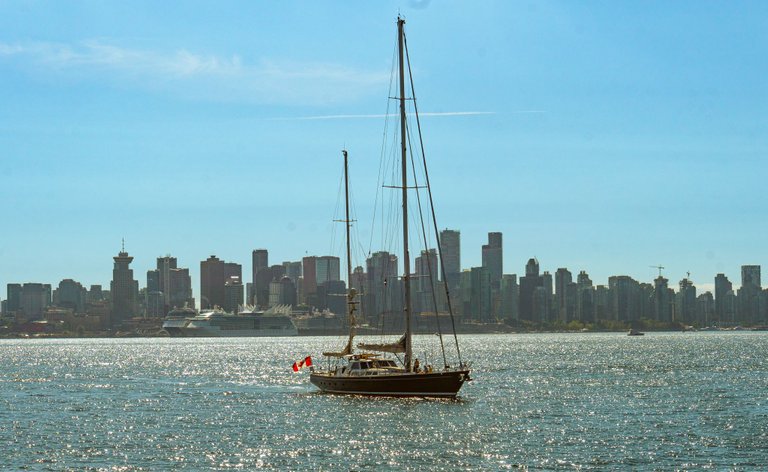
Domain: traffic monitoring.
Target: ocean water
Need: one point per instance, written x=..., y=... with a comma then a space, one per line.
x=539, y=401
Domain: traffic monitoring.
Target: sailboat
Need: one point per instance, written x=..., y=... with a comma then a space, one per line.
x=370, y=370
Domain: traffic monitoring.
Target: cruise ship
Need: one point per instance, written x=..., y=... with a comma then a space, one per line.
x=248, y=322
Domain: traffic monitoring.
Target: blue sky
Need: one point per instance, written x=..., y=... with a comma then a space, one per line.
x=598, y=136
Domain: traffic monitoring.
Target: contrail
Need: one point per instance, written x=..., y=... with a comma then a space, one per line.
x=384, y=115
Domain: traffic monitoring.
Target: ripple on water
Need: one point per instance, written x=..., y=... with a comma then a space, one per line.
x=559, y=401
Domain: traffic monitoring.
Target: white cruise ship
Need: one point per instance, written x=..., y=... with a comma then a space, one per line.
x=248, y=322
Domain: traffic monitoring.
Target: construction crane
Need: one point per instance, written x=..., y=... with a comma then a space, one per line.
x=660, y=267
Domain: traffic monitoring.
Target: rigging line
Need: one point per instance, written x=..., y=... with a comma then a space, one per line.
x=426, y=253
x=382, y=151
x=431, y=202
x=339, y=194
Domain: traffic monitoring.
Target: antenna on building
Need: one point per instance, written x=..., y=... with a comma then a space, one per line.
x=123, y=245
x=660, y=267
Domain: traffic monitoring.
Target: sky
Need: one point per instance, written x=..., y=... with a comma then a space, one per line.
x=600, y=136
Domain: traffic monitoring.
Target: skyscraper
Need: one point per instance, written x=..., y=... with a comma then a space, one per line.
x=327, y=269
x=528, y=285
x=722, y=287
x=750, y=294
x=450, y=243
x=124, y=289
x=563, y=277
x=214, y=274
x=493, y=259
x=261, y=278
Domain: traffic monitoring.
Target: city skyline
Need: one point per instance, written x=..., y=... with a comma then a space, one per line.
x=602, y=139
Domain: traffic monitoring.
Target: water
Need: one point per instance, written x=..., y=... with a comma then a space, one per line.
x=541, y=401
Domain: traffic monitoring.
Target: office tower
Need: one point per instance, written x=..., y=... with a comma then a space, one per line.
x=563, y=278
x=13, y=298
x=292, y=270
x=625, y=298
x=233, y=294
x=70, y=294
x=309, y=274
x=154, y=297
x=705, y=308
x=180, y=290
x=450, y=243
x=383, y=285
x=95, y=293
x=528, y=285
x=750, y=295
x=685, y=302
x=493, y=259
x=425, y=281
x=282, y=292
x=585, y=298
x=662, y=300
x=722, y=287
x=28, y=301
x=327, y=268
x=261, y=278
x=510, y=295
x=480, y=295
x=124, y=289
x=214, y=274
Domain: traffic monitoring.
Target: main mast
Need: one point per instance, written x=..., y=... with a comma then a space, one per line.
x=350, y=291
x=406, y=255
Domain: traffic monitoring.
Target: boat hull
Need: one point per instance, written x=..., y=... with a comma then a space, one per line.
x=444, y=384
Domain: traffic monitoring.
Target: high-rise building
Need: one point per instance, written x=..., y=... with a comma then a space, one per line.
x=309, y=274
x=685, y=302
x=585, y=298
x=382, y=293
x=124, y=289
x=722, y=287
x=480, y=296
x=528, y=285
x=425, y=279
x=662, y=300
x=70, y=294
x=450, y=243
x=625, y=298
x=563, y=278
x=750, y=295
x=233, y=294
x=292, y=270
x=13, y=301
x=328, y=268
x=261, y=278
x=214, y=274
x=510, y=295
x=493, y=259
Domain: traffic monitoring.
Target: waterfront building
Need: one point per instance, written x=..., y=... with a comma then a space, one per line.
x=261, y=278
x=480, y=295
x=528, y=285
x=214, y=274
x=70, y=294
x=625, y=297
x=328, y=268
x=493, y=260
x=510, y=297
x=749, y=295
x=585, y=298
x=425, y=281
x=705, y=308
x=282, y=292
x=309, y=285
x=383, y=292
x=563, y=278
x=685, y=302
x=722, y=287
x=450, y=244
x=13, y=298
x=292, y=270
x=124, y=289
x=233, y=294
x=662, y=300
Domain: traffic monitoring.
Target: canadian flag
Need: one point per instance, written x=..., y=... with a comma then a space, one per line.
x=298, y=365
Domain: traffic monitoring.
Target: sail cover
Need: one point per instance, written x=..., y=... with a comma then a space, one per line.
x=397, y=347
x=347, y=350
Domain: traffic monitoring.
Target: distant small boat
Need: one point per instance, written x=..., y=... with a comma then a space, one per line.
x=634, y=332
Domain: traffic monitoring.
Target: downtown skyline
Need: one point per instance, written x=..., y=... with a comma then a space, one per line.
x=608, y=138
